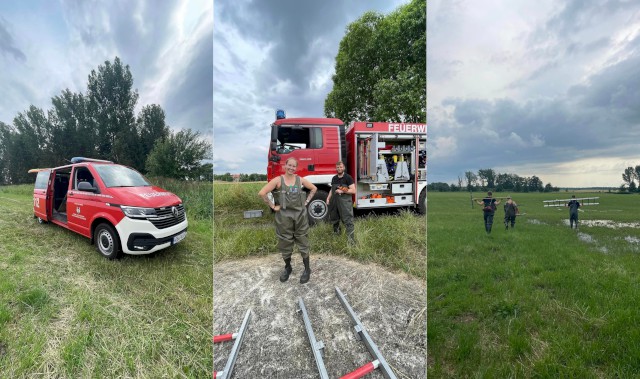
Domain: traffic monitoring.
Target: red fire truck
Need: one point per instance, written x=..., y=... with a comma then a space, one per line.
x=388, y=161
x=113, y=205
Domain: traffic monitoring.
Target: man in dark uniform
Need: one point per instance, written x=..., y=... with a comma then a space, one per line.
x=340, y=203
x=510, y=212
x=573, y=205
x=489, y=209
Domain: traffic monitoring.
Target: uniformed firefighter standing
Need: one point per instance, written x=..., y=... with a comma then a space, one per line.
x=489, y=210
x=292, y=224
x=340, y=203
x=573, y=205
x=510, y=212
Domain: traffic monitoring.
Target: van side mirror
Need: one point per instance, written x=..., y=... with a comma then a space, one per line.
x=86, y=186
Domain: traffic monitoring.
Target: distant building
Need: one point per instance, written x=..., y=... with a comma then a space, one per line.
x=236, y=177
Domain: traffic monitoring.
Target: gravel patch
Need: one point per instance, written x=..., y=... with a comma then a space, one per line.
x=390, y=305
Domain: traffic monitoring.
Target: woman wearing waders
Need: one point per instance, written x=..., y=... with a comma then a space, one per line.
x=292, y=225
x=489, y=210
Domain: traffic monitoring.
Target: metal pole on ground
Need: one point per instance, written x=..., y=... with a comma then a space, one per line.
x=361, y=334
x=316, y=346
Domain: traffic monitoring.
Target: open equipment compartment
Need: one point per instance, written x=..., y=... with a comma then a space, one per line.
x=388, y=163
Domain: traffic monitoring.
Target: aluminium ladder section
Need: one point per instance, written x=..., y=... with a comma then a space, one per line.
x=361, y=334
x=231, y=361
x=316, y=346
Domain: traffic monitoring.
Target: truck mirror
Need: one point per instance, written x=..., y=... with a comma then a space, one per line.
x=274, y=134
x=86, y=186
x=274, y=145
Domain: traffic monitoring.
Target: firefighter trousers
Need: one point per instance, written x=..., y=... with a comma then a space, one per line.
x=292, y=228
x=341, y=208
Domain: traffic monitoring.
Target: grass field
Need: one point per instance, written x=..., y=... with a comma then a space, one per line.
x=395, y=240
x=66, y=312
x=538, y=301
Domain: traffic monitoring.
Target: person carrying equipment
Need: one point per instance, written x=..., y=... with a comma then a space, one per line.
x=510, y=212
x=489, y=209
x=573, y=205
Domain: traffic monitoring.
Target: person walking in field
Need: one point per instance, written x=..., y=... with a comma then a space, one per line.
x=510, y=212
x=573, y=205
x=290, y=207
x=340, y=202
x=489, y=209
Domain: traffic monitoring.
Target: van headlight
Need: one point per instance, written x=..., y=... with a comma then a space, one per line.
x=137, y=212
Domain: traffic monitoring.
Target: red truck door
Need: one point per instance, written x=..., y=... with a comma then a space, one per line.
x=42, y=195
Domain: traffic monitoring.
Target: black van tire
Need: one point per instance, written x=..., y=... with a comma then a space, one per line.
x=422, y=202
x=318, y=210
x=107, y=241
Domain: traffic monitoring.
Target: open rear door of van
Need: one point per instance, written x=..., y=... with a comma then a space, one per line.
x=42, y=193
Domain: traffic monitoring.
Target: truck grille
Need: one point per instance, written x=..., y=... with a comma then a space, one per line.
x=165, y=217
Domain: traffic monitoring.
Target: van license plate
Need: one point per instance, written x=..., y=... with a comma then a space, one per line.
x=179, y=237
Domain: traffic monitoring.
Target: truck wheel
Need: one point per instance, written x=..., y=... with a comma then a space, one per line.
x=107, y=241
x=422, y=202
x=318, y=210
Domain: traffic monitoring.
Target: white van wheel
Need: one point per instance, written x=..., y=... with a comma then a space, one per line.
x=107, y=242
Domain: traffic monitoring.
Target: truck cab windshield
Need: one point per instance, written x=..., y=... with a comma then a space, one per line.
x=120, y=176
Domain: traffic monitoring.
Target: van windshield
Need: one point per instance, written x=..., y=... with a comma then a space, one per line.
x=120, y=176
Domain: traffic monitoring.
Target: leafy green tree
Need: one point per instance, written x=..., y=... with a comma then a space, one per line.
x=487, y=176
x=5, y=140
x=151, y=127
x=71, y=132
x=111, y=104
x=628, y=175
x=471, y=179
x=179, y=156
x=381, y=68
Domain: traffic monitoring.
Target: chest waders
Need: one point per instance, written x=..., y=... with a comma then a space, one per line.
x=488, y=215
x=292, y=226
x=341, y=208
x=509, y=216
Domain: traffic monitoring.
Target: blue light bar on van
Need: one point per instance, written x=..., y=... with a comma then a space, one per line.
x=83, y=159
x=280, y=114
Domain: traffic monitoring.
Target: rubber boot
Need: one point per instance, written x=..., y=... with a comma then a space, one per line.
x=307, y=271
x=336, y=229
x=287, y=270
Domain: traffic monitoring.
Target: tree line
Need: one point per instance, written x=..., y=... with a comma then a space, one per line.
x=489, y=180
x=227, y=177
x=101, y=123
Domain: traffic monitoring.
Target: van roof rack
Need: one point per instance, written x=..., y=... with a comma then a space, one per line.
x=83, y=159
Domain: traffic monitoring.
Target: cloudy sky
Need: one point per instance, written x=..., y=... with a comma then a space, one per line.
x=47, y=46
x=269, y=55
x=542, y=88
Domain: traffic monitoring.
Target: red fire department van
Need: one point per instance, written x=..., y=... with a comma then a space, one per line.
x=388, y=161
x=113, y=205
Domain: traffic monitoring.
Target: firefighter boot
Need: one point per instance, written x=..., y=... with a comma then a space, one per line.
x=307, y=271
x=287, y=270
x=336, y=230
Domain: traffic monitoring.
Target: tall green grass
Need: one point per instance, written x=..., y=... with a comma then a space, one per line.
x=395, y=240
x=537, y=301
x=197, y=196
x=66, y=312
